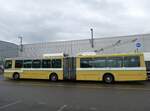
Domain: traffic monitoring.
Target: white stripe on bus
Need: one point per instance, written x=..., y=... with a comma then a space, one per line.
x=34, y=69
x=61, y=69
x=124, y=68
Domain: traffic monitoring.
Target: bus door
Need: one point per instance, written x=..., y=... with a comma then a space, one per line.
x=69, y=68
x=147, y=63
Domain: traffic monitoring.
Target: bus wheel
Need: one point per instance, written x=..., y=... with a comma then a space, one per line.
x=16, y=76
x=53, y=77
x=108, y=78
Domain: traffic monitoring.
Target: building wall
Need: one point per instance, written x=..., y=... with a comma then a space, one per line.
x=8, y=50
x=121, y=44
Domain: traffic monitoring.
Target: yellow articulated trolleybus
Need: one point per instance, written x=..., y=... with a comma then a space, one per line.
x=94, y=67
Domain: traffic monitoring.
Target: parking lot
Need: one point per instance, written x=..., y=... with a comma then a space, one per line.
x=42, y=95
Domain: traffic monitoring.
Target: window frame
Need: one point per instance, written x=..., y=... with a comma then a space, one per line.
x=100, y=58
x=88, y=60
x=50, y=65
x=116, y=59
x=34, y=65
x=138, y=62
x=60, y=64
x=25, y=64
x=10, y=64
x=21, y=64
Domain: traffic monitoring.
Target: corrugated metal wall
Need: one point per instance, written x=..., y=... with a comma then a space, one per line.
x=8, y=49
x=121, y=44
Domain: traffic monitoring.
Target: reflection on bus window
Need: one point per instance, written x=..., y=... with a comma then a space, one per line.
x=86, y=62
x=99, y=62
x=18, y=63
x=46, y=64
x=147, y=65
x=132, y=61
x=115, y=62
x=36, y=64
x=56, y=63
x=8, y=64
x=27, y=63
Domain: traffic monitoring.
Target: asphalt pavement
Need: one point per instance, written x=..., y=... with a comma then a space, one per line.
x=43, y=95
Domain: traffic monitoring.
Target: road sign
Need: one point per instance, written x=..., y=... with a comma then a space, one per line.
x=138, y=45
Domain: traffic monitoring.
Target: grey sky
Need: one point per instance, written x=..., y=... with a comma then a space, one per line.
x=50, y=20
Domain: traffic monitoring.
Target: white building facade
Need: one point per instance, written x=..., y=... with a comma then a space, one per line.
x=8, y=49
x=120, y=44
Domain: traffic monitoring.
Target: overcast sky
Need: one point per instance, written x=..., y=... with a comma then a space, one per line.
x=54, y=20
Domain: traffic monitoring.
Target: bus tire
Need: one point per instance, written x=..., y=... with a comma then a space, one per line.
x=53, y=77
x=16, y=76
x=108, y=78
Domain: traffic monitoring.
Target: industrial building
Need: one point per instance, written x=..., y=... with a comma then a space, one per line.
x=8, y=49
x=107, y=45
x=120, y=44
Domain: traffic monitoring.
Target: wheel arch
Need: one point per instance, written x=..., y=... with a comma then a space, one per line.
x=16, y=73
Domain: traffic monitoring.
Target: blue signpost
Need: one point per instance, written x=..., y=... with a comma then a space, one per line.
x=138, y=45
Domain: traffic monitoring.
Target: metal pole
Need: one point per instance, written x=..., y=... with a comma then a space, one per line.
x=71, y=48
x=92, y=39
x=137, y=50
x=21, y=46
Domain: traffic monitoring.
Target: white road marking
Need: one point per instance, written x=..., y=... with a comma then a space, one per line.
x=93, y=109
x=10, y=104
x=62, y=107
x=41, y=103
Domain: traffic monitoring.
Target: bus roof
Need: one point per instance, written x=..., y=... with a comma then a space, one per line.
x=50, y=55
x=86, y=53
x=111, y=55
x=45, y=56
x=61, y=55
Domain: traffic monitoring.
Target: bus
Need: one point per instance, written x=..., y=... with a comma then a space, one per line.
x=39, y=68
x=147, y=63
x=98, y=67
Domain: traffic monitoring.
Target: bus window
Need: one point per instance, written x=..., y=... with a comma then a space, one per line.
x=8, y=64
x=132, y=61
x=56, y=63
x=147, y=63
x=27, y=63
x=86, y=62
x=46, y=63
x=36, y=64
x=99, y=62
x=115, y=62
x=18, y=63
